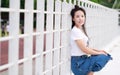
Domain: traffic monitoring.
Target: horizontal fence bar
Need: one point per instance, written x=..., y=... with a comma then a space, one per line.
x=27, y=58
x=33, y=11
x=33, y=34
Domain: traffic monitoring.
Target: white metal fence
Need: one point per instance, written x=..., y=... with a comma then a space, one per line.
x=51, y=37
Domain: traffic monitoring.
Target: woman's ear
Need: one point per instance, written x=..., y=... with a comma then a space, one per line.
x=73, y=19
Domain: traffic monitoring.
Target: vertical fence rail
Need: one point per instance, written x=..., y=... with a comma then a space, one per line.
x=28, y=41
x=0, y=34
x=53, y=24
x=13, y=43
x=49, y=38
x=64, y=38
x=40, y=38
x=56, y=55
x=0, y=26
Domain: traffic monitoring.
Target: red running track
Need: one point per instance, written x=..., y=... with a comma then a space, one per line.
x=4, y=50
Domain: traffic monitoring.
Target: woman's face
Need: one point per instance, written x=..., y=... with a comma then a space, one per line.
x=79, y=18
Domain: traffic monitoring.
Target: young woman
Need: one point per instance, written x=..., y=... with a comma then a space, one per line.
x=84, y=60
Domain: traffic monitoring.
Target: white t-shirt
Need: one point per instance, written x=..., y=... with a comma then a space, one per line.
x=76, y=34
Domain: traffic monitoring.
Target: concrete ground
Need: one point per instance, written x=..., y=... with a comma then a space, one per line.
x=112, y=67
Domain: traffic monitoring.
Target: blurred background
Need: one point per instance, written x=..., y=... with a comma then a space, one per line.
x=114, y=4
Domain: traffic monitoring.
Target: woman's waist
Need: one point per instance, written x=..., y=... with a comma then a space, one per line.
x=81, y=56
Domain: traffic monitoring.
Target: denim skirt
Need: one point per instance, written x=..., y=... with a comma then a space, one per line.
x=82, y=65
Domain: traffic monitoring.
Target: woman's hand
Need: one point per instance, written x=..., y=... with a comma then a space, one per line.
x=103, y=52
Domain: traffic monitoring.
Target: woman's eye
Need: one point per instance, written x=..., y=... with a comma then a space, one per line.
x=77, y=16
x=82, y=16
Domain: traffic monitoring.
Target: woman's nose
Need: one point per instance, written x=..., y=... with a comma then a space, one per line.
x=80, y=18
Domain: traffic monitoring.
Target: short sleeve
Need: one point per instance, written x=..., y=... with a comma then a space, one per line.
x=76, y=34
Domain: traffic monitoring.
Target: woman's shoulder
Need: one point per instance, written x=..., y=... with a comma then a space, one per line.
x=76, y=30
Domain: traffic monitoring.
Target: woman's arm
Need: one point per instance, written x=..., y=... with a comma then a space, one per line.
x=100, y=50
x=87, y=50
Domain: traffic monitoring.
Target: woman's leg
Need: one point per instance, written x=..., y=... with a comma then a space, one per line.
x=90, y=73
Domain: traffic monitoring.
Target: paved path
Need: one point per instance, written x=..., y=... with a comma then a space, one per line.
x=113, y=67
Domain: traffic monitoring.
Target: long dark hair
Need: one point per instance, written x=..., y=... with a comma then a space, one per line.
x=75, y=9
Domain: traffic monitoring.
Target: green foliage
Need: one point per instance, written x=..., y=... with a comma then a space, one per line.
x=22, y=4
x=117, y=4
x=4, y=3
x=108, y=3
x=96, y=1
x=35, y=4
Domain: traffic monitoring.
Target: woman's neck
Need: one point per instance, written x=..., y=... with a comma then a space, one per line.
x=80, y=27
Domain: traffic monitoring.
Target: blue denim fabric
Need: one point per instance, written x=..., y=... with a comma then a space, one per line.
x=99, y=61
x=76, y=63
x=83, y=65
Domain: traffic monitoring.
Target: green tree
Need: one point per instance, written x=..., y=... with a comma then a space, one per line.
x=108, y=3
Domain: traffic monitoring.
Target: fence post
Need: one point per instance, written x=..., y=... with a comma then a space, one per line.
x=28, y=41
x=40, y=38
x=13, y=51
x=49, y=37
x=56, y=55
x=64, y=38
